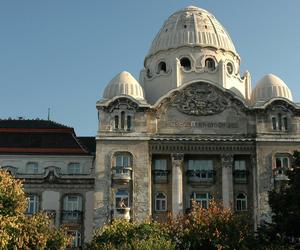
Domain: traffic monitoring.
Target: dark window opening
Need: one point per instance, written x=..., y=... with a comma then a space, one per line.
x=185, y=63
x=274, y=123
x=210, y=64
x=284, y=121
x=229, y=67
x=279, y=121
x=129, y=122
x=122, y=120
x=161, y=67
x=116, y=122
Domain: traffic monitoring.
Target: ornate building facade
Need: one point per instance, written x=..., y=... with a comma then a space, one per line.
x=57, y=168
x=191, y=128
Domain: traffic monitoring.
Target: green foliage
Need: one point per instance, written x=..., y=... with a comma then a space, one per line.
x=121, y=234
x=212, y=228
x=18, y=231
x=284, y=230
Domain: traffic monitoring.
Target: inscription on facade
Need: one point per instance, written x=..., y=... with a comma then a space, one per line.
x=196, y=124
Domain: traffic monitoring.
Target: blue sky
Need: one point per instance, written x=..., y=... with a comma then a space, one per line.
x=61, y=53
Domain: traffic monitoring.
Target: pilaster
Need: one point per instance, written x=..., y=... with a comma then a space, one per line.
x=227, y=182
x=177, y=182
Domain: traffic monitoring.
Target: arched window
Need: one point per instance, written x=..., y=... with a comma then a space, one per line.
x=241, y=202
x=161, y=67
x=160, y=202
x=122, y=199
x=210, y=64
x=229, y=68
x=33, y=204
x=32, y=168
x=185, y=63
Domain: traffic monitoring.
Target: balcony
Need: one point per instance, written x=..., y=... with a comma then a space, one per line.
x=240, y=176
x=160, y=176
x=199, y=177
x=280, y=174
x=122, y=174
x=71, y=217
x=122, y=213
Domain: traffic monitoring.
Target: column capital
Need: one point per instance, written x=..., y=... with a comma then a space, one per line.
x=177, y=157
x=227, y=160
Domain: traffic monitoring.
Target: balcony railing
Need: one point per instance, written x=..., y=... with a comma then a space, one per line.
x=122, y=213
x=201, y=176
x=122, y=174
x=72, y=217
x=160, y=176
x=280, y=174
x=240, y=176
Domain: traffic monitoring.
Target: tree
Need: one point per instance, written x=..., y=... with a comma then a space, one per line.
x=19, y=231
x=202, y=229
x=285, y=204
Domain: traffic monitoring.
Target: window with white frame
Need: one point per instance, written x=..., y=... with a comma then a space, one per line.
x=122, y=160
x=74, y=168
x=33, y=204
x=32, y=168
x=282, y=164
x=121, y=199
x=201, y=168
x=76, y=242
x=201, y=198
x=241, y=202
x=72, y=202
x=160, y=202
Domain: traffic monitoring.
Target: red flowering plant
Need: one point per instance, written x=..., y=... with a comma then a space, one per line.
x=213, y=228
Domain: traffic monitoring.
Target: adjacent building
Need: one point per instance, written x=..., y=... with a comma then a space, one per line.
x=57, y=168
x=192, y=128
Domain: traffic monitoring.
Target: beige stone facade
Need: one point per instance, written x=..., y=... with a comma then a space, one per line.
x=196, y=131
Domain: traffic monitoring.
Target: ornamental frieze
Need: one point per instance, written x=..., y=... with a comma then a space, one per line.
x=200, y=100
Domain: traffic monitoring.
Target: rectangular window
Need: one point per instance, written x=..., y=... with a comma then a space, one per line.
x=274, y=123
x=201, y=198
x=202, y=169
x=74, y=168
x=240, y=172
x=122, y=160
x=76, y=242
x=282, y=162
x=33, y=204
x=32, y=168
x=72, y=203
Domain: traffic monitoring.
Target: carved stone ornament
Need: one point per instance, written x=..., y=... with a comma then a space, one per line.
x=227, y=160
x=200, y=100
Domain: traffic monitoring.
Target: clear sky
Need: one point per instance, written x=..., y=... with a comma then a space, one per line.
x=61, y=53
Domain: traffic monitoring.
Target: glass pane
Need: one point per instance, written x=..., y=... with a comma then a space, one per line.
x=285, y=162
x=278, y=162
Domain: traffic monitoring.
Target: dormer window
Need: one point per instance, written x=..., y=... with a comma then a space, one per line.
x=161, y=67
x=74, y=168
x=32, y=168
x=185, y=63
x=123, y=122
x=229, y=68
x=279, y=122
x=210, y=64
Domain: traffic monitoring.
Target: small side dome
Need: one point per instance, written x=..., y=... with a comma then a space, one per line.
x=270, y=86
x=123, y=84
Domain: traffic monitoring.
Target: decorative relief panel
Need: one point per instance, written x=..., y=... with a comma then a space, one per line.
x=200, y=100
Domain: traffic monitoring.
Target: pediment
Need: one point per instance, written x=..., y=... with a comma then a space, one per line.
x=202, y=99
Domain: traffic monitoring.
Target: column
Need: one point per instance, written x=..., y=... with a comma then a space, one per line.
x=177, y=192
x=227, y=182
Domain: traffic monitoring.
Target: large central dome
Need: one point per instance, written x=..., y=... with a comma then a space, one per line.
x=191, y=26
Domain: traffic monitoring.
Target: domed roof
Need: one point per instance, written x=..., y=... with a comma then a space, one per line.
x=123, y=84
x=268, y=87
x=191, y=26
